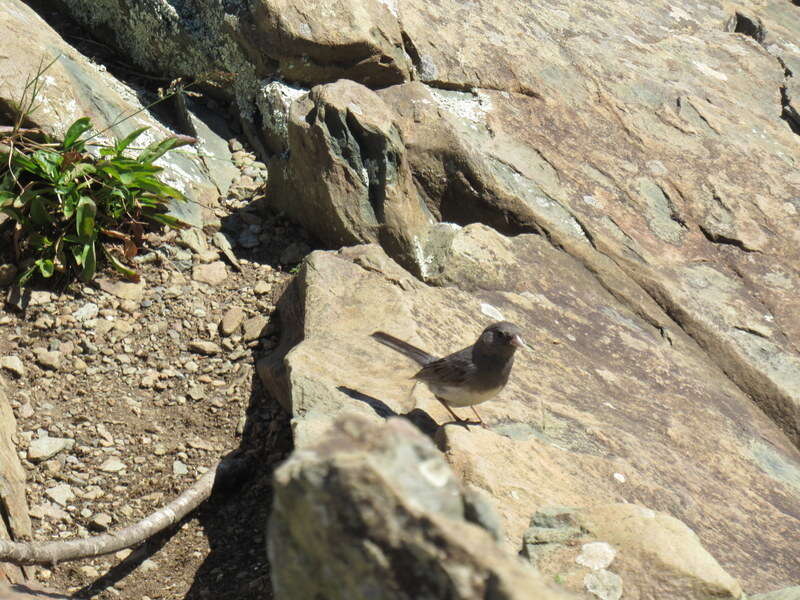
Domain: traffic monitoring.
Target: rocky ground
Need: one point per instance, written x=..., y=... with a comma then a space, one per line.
x=125, y=394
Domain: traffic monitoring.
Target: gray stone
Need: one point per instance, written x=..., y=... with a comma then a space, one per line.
x=100, y=522
x=61, y=494
x=112, y=465
x=86, y=312
x=178, y=468
x=604, y=584
x=261, y=287
x=44, y=448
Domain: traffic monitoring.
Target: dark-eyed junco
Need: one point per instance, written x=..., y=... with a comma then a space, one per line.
x=470, y=376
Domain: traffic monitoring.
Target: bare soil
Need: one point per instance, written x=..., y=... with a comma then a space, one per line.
x=128, y=387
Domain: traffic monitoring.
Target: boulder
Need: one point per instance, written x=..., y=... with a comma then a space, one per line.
x=612, y=405
x=625, y=550
x=372, y=511
x=346, y=177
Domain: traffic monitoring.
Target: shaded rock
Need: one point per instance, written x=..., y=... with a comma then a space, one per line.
x=294, y=253
x=608, y=548
x=391, y=482
x=612, y=405
x=8, y=273
x=44, y=448
x=213, y=273
x=253, y=328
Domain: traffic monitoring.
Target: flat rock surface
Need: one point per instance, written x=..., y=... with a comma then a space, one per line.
x=607, y=407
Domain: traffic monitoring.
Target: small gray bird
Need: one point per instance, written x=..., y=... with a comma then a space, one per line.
x=470, y=376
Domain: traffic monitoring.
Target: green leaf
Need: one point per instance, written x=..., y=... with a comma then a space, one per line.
x=19, y=159
x=128, y=140
x=89, y=262
x=168, y=220
x=75, y=131
x=26, y=275
x=48, y=163
x=39, y=242
x=46, y=267
x=38, y=212
x=69, y=205
x=158, y=149
x=84, y=218
x=16, y=215
x=120, y=267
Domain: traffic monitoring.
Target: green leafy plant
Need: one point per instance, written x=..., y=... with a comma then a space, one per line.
x=73, y=208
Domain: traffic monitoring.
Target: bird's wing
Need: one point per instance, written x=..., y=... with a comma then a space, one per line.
x=455, y=369
x=398, y=345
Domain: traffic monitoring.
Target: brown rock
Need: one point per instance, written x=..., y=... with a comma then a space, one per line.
x=213, y=273
x=126, y=290
x=46, y=359
x=204, y=347
x=231, y=321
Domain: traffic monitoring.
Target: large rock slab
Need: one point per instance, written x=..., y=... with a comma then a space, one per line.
x=610, y=407
x=374, y=512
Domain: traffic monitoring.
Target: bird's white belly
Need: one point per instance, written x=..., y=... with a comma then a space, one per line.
x=456, y=396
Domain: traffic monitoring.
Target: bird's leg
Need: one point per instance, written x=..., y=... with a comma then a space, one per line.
x=455, y=416
x=479, y=417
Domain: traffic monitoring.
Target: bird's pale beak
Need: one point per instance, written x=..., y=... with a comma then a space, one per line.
x=519, y=342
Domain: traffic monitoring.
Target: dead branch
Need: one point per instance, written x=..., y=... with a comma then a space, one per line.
x=49, y=553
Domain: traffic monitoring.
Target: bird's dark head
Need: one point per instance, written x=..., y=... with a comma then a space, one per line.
x=502, y=337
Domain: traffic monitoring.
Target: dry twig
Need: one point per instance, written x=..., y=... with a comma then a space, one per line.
x=49, y=553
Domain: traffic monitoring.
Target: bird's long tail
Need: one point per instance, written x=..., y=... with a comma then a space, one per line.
x=412, y=352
